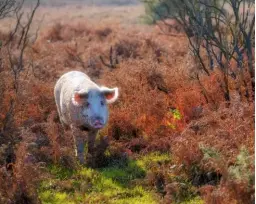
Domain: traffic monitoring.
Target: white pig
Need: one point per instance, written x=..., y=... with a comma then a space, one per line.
x=82, y=106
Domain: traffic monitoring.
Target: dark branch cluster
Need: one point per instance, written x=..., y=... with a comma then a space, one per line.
x=14, y=46
x=223, y=30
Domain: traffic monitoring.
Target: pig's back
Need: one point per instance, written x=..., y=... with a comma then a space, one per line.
x=64, y=90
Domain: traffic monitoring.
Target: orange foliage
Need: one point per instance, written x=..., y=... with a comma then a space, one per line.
x=150, y=75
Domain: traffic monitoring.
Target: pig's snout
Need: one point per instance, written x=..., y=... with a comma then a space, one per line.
x=98, y=123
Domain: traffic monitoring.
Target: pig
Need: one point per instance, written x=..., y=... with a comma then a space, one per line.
x=82, y=107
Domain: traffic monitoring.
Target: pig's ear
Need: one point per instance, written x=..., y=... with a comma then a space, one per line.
x=111, y=95
x=79, y=97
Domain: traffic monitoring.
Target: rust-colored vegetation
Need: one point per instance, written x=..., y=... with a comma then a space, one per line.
x=161, y=108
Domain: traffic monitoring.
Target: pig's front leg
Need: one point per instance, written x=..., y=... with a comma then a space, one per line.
x=91, y=149
x=79, y=140
x=102, y=146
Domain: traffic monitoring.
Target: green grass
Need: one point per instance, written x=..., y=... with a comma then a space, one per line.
x=196, y=200
x=112, y=184
x=119, y=183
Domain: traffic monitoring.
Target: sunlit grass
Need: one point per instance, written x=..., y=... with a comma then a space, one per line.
x=122, y=182
x=196, y=200
x=50, y=197
x=111, y=184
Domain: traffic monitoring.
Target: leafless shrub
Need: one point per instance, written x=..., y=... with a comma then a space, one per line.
x=127, y=49
x=15, y=47
x=113, y=61
x=217, y=37
x=74, y=55
x=65, y=32
x=102, y=33
x=7, y=7
x=17, y=168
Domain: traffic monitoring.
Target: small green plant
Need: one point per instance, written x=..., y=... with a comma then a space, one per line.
x=173, y=117
x=213, y=160
x=241, y=170
x=155, y=10
x=60, y=172
x=196, y=200
x=209, y=153
x=176, y=114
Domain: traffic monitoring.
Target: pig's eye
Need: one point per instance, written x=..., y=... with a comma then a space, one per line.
x=102, y=103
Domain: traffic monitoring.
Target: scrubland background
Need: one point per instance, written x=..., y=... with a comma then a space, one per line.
x=162, y=108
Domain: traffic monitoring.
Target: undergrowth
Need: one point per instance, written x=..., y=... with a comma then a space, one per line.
x=161, y=108
x=117, y=183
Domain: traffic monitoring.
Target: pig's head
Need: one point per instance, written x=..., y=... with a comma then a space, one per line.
x=93, y=104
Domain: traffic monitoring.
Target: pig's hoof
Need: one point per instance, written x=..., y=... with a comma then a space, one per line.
x=81, y=160
x=90, y=160
x=105, y=140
